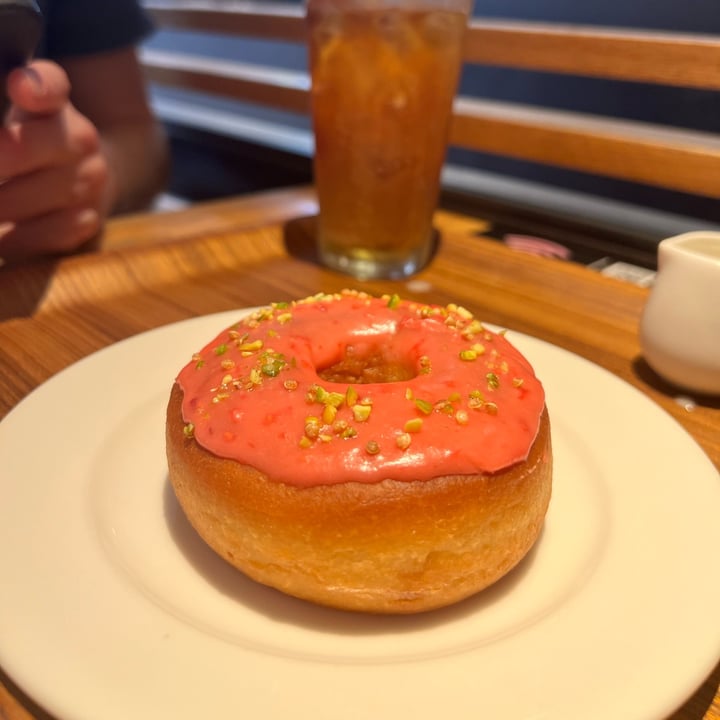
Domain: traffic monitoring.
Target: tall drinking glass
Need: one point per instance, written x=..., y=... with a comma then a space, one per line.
x=384, y=75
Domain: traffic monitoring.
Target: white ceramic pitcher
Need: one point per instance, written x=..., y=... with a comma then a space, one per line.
x=680, y=325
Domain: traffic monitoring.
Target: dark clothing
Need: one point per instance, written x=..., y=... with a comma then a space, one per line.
x=83, y=27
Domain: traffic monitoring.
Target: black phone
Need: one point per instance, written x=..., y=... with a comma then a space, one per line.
x=20, y=30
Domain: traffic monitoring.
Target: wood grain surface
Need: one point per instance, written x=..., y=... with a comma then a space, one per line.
x=154, y=269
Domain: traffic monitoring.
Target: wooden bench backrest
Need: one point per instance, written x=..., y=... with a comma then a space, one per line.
x=661, y=156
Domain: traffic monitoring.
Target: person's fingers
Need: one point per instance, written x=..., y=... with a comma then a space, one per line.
x=45, y=141
x=41, y=88
x=57, y=232
x=38, y=193
x=53, y=188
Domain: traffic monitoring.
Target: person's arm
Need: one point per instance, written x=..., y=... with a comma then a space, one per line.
x=110, y=91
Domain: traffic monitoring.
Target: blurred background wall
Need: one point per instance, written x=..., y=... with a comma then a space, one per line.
x=223, y=148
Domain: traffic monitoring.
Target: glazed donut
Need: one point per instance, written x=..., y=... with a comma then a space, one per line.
x=365, y=453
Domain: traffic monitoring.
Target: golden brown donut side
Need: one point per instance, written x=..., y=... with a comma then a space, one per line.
x=388, y=547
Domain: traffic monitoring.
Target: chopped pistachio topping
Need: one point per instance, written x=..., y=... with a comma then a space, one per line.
x=340, y=426
x=220, y=349
x=329, y=413
x=372, y=448
x=272, y=364
x=393, y=301
x=312, y=426
x=414, y=425
x=493, y=381
x=335, y=399
x=189, y=430
x=423, y=406
x=491, y=408
x=468, y=355
x=351, y=396
x=361, y=412
x=250, y=347
x=461, y=417
x=517, y=382
x=474, y=328
x=476, y=400
x=403, y=441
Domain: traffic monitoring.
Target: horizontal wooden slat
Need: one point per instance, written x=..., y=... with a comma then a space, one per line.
x=280, y=89
x=267, y=20
x=673, y=59
x=655, y=57
x=641, y=152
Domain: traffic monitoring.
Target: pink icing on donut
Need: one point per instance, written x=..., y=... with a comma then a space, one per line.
x=473, y=403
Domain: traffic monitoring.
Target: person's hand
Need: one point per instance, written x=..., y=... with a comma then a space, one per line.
x=55, y=183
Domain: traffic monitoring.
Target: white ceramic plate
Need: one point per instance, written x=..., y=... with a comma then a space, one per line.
x=112, y=608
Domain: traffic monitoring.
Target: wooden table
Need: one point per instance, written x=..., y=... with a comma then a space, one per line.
x=154, y=269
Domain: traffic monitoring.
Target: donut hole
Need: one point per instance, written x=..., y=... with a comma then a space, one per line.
x=364, y=364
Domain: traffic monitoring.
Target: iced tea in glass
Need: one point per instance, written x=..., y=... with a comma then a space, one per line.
x=384, y=75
